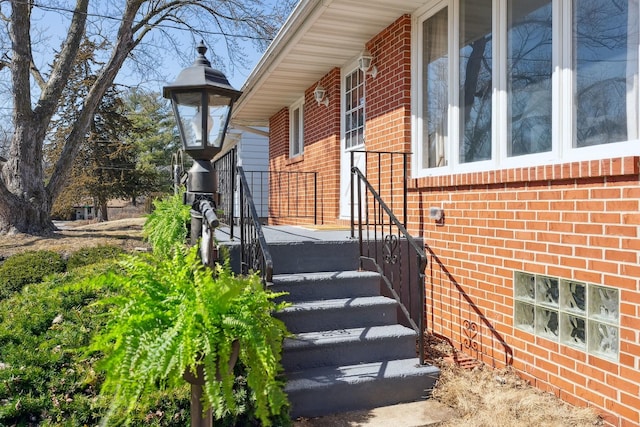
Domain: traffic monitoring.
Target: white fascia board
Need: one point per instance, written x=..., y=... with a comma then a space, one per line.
x=302, y=17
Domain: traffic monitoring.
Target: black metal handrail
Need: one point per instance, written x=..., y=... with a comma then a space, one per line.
x=254, y=252
x=383, y=242
x=225, y=168
x=383, y=163
x=294, y=195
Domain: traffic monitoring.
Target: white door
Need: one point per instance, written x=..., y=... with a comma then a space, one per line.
x=353, y=123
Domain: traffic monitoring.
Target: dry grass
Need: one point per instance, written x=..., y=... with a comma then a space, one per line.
x=484, y=397
x=125, y=233
x=499, y=398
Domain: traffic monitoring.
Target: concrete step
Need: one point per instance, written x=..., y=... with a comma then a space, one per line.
x=339, y=314
x=348, y=346
x=325, y=285
x=328, y=390
x=313, y=256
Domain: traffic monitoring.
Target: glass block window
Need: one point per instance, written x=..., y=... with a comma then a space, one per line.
x=581, y=315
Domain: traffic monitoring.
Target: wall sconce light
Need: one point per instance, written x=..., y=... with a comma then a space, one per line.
x=319, y=95
x=436, y=214
x=364, y=63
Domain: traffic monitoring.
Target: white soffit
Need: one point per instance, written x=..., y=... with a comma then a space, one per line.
x=318, y=36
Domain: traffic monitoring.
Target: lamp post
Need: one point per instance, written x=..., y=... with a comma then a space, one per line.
x=202, y=99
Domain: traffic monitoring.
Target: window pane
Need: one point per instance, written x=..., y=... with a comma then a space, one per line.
x=529, y=68
x=605, y=60
x=475, y=80
x=435, y=83
x=295, y=132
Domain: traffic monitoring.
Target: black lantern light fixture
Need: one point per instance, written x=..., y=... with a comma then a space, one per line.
x=202, y=100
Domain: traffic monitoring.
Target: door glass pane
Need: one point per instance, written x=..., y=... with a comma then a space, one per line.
x=435, y=83
x=354, y=109
x=605, y=60
x=475, y=80
x=529, y=68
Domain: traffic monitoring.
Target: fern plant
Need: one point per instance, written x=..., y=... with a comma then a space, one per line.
x=174, y=316
x=167, y=224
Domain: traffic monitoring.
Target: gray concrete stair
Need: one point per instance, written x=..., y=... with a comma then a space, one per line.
x=348, y=351
x=342, y=313
x=306, y=256
x=326, y=390
x=325, y=285
x=347, y=346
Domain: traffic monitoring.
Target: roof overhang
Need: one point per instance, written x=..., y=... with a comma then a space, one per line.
x=318, y=36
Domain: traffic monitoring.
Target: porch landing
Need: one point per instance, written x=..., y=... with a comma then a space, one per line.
x=292, y=234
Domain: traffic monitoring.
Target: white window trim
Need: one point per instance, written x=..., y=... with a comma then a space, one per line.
x=562, y=150
x=299, y=105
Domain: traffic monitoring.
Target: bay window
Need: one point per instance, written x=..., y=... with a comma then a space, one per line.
x=604, y=37
x=436, y=82
x=507, y=83
x=475, y=80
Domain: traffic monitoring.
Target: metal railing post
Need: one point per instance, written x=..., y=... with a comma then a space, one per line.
x=385, y=252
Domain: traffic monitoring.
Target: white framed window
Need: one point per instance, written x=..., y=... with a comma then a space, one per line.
x=354, y=109
x=296, y=129
x=508, y=83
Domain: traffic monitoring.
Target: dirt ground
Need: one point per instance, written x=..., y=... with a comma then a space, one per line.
x=486, y=397
x=479, y=397
x=74, y=235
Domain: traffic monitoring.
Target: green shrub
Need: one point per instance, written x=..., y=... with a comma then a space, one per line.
x=47, y=376
x=28, y=267
x=93, y=255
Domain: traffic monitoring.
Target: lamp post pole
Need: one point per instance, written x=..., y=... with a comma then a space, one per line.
x=202, y=100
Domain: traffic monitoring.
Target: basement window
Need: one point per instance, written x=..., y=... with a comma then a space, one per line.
x=581, y=315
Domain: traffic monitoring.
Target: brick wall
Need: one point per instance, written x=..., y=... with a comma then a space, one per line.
x=291, y=194
x=388, y=108
x=576, y=221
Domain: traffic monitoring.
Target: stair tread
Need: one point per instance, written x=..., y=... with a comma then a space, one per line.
x=321, y=275
x=339, y=303
x=324, y=377
x=306, y=339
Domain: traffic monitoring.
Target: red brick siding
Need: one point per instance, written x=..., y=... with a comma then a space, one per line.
x=388, y=107
x=321, y=154
x=575, y=221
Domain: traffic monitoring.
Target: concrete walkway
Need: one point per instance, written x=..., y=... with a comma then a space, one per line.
x=414, y=414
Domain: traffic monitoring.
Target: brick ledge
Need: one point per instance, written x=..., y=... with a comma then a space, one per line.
x=575, y=170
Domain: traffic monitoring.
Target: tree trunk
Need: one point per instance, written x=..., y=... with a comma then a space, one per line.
x=102, y=214
x=28, y=216
x=25, y=206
